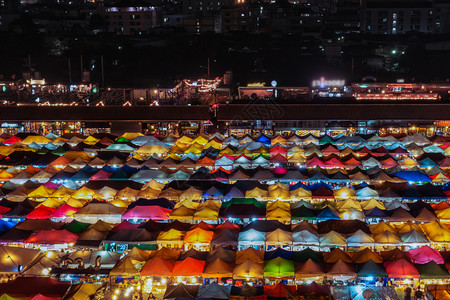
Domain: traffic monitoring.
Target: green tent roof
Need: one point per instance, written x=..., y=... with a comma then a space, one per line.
x=76, y=227
x=251, y=201
x=371, y=269
x=432, y=270
x=308, y=253
x=279, y=267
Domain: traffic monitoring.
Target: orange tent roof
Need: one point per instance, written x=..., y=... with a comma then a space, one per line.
x=157, y=266
x=198, y=235
x=188, y=267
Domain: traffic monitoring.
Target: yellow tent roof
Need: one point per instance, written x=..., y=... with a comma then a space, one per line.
x=124, y=268
x=105, y=193
x=248, y=270
x=301, y=193
x=131, y=135
x=201, y=140
x=213, y=144
x=182, y=213
x=387, y=237
x=90, y=140
x=84, y=193
x=184, y=140
x=6, y=150
x=440, y=178
x=408, y=163
x=381, y=227
x=152, y=149
x=53, y=202
x=148, y=193
x=279, y=237
x=279, y=214
x=63, y=192
x=172, y=235
x=408, y=226
x=119, y=203
x=206, y=213
x=256, y=193
x=278, y=204
x=372, y=203
x=59, y=140
x=250, y=253
x=443, y=214
x=344, y=193
x=76, y=202
x=4, y=176
x=333, y=238
x=72, y=155
x=279, y=193
x=348, y=204
x=41, y=192
x=187, y=203
x=38, y=139
x=154, y=185
x=127, y=194
x=194, y=150
x=191, y=194
x=278, y=139
x=198, y=235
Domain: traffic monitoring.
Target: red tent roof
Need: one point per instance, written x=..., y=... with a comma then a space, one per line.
x=52, y=237
x=12, y=140
x=30, y=286
x=147, y=212
x=424, y=255
x=157, y=266
x=41, y=212
x=315, y=162
x=401, y=269
x=64, y=211
x=125, y=225
x=188, y=267
x=280, y=290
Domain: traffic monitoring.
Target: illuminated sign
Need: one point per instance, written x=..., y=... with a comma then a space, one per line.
x=256, y=84
x=6, y=125
x=322, y=83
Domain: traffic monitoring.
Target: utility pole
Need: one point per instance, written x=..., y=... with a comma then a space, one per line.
x=103, y=72
x=70, y=70
x=209, y=69
x=81, y=68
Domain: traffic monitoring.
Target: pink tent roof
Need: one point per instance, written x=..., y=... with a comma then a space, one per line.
x=401, y=269
x=64, y=211
x=147, y=212
x=424, y=255
x=101, y=175
x=12, y=140
x=334, y=163
x=52, y=185
x=125, y=225
x=41, y=212
x=52, y=237
x=315, y=162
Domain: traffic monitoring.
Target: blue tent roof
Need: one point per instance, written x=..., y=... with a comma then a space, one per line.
x=327, y=214
x=279, y=252
x=427, y=163
x=6, y=225
x=413, y=176
x=376, y=213
x=263, y=139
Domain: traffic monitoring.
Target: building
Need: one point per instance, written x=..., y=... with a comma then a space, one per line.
x=397, y=17
x=129, y=18
x=202, y=24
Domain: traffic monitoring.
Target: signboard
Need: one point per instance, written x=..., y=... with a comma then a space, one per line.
x=323, y=83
